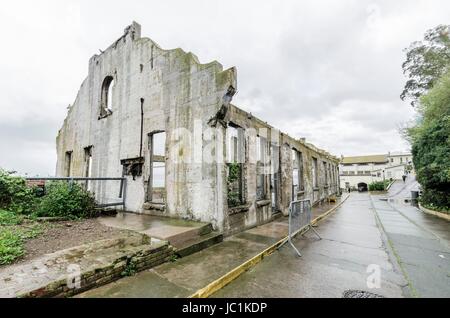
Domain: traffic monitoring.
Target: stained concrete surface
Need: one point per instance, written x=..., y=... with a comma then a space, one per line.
x=156, y=227
x=420, y=241
x=187, y=275
x=410, y=247
x=351, y=241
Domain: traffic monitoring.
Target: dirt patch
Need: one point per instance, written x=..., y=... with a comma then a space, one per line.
x=66, y=234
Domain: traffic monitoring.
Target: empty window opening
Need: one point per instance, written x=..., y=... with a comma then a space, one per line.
x=133, y=167
x=157, y=182
x=88, y=166
x=261, y=151
x=275, y=177
x=325, y=173
x=315, y=173
x=297, y=172
x=107, y=96
x=68, y=164
x=235, y=163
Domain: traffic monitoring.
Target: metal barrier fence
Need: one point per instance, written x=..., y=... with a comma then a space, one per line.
x=300, y=217
x=106, y=194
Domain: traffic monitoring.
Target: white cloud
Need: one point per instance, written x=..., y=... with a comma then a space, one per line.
x=327, y=70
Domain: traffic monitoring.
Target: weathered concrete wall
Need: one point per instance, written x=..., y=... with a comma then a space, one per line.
x=255, y=212
x=177, y=91
x=169, y=90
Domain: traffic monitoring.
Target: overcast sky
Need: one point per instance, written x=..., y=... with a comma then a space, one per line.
x=329, y=71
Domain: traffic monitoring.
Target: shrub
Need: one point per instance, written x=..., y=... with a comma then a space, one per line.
x=10, y=218
x=431, y=151
x=12, y=240
x=66, y=200
x=15, y=195
x=378, y=186
x=234, y=172
x=11, y=246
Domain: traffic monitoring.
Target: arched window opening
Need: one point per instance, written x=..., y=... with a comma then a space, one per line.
x=107, y=96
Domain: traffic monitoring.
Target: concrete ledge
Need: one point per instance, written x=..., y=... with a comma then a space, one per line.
x=263, y=203
x=239, y=209
x=75, y=270
x=442, y=215
x=155, y=206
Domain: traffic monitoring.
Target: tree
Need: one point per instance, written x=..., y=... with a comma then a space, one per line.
x=426, y=62
x=431, y=145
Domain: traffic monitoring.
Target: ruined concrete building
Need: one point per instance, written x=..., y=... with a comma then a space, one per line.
x=166, y=123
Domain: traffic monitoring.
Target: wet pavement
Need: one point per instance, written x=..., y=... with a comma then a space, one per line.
x=420, y=242
x=351, y=242
x=411, y=248
x=189, y=274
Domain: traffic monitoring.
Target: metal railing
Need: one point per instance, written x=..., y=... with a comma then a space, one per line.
x=101, y=203
x=300, y=217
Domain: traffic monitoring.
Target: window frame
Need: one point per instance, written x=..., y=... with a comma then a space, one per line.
x=157, y=159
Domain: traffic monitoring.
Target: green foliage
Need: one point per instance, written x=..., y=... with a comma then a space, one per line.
x=431, y=206
x=431, y=153
x=234, y=173
x=11, y=246
x=12, y=240
x=15, y=195
x=378, y=186
x=10, y=218
x=173, y=258
x=430, y=139
x=130, y=269
x=426, y=62
x=66, y=200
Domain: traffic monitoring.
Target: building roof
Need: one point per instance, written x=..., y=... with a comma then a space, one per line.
x=399, y=154
x=365, y=159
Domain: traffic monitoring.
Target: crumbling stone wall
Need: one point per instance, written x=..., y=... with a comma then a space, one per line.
x=176, y=93
x=159, y=90
x=255, y=212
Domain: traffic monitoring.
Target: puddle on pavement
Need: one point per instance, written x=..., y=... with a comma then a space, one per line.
x=412, y=202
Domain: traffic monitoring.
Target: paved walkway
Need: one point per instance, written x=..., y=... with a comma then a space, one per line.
x=187, y=275
x=339, y=262
x=421, y=242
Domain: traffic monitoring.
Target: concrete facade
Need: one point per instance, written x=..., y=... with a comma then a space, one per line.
x=374, y=168
x=166, y=123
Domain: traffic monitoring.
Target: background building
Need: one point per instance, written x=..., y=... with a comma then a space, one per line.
x=363, y=170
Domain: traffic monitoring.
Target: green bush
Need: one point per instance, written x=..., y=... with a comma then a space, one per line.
x=15, y=195
x=234, y=172
x=11, y=246
x=431, y=153
x=378, y=186
x=10, y=218
x=431, y=145
x=66, y=200
x=12, y=240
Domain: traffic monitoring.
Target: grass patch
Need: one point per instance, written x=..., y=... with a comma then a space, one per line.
x=13, y=238
x=10, y=218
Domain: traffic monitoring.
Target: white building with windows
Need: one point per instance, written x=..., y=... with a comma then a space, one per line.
x=360, y=171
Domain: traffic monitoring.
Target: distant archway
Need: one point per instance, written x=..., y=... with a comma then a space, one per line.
x=362, y=187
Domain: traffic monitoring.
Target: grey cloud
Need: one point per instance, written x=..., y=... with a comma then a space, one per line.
x=327, y=70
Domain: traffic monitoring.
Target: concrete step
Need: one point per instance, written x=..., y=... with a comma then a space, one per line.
x=197, y=244
x=98, y=263
x=175, y=231
x=188, y=234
